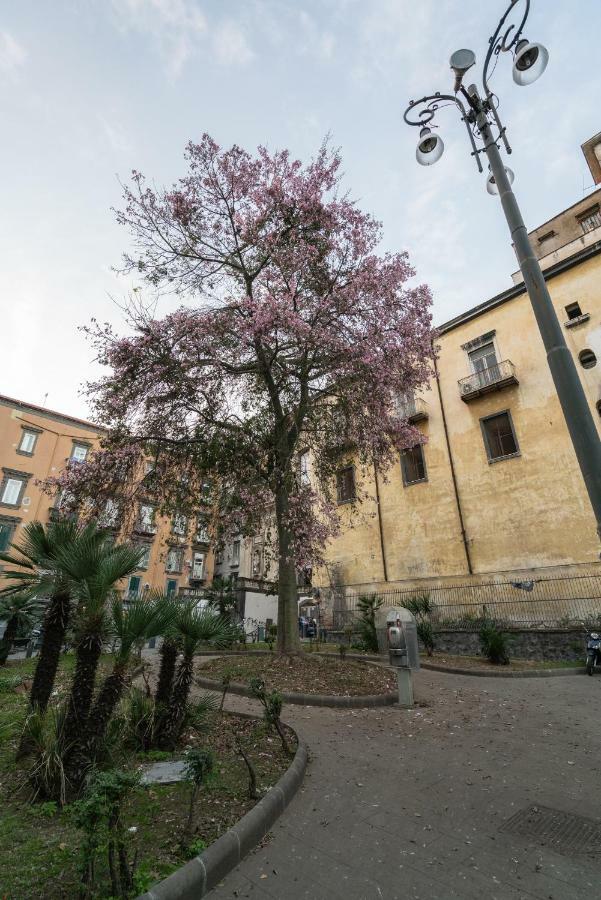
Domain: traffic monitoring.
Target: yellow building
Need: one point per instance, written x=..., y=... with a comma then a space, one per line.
x=496, y=488
x=36, y=443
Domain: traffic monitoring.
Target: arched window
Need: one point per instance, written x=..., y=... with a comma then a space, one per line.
x=587, y=359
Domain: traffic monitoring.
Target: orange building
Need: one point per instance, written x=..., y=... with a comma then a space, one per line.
x=36, y=443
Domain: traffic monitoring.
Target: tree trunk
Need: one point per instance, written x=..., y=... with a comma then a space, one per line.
x=53, y=636
x=164, y=687
x=78, y=711
x=171, y=724
x=288, y=638
x=10, y=633
x=98, y=719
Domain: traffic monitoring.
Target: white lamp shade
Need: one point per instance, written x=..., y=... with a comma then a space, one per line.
x=491, y=184
x=530, y=63
x=430, y=148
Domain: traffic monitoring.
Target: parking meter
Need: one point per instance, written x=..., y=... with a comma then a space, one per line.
x=397, y=634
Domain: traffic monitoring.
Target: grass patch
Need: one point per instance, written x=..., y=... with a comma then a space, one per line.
x=39, y=843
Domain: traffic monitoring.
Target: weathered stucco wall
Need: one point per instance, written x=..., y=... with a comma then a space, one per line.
x=527, y=512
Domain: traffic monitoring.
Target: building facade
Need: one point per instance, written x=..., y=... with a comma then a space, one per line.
x=496, y=487
x=248, y=563
x=36, y=443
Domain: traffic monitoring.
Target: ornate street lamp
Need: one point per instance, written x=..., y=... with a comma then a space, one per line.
x=486, y=132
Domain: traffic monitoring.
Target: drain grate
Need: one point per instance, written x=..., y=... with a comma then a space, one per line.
x=559, y=831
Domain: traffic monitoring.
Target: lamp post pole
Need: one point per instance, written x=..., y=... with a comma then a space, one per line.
x=480, y=118
x=572, y=398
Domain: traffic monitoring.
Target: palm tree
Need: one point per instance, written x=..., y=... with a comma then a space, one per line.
x=195, y=627
x=21, y=611
x=143, y=619
x=37, y=568
x=221, y=595
x=95, y=569
x=168, y=653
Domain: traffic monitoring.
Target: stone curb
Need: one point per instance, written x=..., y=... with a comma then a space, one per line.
x=525, y=673
x=197, y=877
x=332, y=700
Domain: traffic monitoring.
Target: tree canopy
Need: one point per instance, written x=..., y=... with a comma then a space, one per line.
x=293, y=335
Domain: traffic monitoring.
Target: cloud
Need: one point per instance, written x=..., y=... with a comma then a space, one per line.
x=12, y=54
x=175, y=26
x=230, y=44
x=116, y=136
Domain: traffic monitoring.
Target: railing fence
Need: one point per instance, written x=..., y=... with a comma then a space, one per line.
x=564, y=601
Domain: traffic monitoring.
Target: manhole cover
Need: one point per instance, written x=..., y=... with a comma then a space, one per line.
x=560, y=831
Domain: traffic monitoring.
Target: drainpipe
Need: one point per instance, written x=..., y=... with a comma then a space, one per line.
x=453, y=475
x=380, y=531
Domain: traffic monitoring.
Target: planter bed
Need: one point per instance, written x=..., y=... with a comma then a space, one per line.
x=310, y=679
x=40, y=844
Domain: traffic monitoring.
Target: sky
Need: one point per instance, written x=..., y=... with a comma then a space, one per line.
x=90, y=89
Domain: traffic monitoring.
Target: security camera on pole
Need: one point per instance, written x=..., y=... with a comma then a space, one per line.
x=484, y=126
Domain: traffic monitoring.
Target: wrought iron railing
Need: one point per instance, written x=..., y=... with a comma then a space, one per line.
x=413, y=409
x=486, y=379
x=562, y=601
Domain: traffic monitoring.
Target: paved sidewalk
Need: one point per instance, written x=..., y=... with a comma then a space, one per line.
x=408, y=804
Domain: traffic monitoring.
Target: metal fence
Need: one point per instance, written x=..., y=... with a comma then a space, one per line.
x=568, y=601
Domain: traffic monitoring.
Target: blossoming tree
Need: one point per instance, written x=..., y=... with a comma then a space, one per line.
x=293, y=336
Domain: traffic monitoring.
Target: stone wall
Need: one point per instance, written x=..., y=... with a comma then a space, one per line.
x=549, y=643
x=559, y=643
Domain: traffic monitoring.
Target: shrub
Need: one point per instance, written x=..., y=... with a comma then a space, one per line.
x=272, y=705
x=199, y=764
x=368, y=605
x=421, y=607
x=98, y=814
x=342, y=650
x=494, y=644
x=425, y=633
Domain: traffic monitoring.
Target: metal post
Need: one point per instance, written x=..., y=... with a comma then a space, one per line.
x=405, y=685
x=572, y=398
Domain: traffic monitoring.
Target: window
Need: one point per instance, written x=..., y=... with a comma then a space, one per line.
x=483, y=362
x=413, y=465
x=198, y=565
x=345, y=485
x=499, y=437
x=587, y=358
x=145, y=560
x=171, y=587
x=79, y=452
x=257, y=562
x=202, y=531
x=180, y=524
x=28, y=442
x=133, y=587
x=219, y=557
x=547, y=236
x=590, y=219
x=12, y=491
x=175, y=560
x=12, y=487
x=236, y=553
x=109, y=515
x=146, y=518
x=573, y=311
x=303, y=464
x=7, y=529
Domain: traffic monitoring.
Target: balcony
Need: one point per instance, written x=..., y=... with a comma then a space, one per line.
x=413, y=410
x=493, y=378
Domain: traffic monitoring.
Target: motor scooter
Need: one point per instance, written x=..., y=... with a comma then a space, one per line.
x=593, y=652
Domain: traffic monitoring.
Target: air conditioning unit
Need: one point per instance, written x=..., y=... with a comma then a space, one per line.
x=466, y=389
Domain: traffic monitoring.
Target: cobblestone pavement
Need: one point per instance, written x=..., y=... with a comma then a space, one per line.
x=409, y=803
